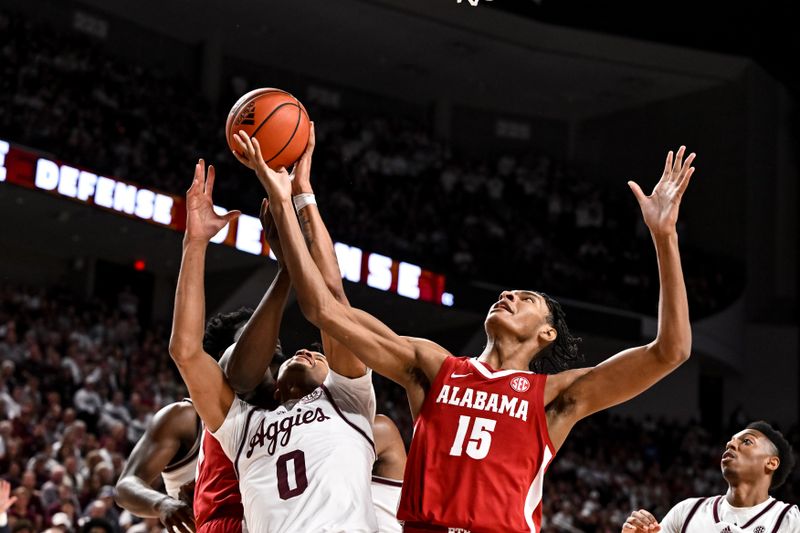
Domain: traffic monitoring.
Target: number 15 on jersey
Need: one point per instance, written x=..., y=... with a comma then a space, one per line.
x=480, y=439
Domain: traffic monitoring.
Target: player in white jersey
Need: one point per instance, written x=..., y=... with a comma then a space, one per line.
x=306, y=465
x=755, y=460
x=387, y=473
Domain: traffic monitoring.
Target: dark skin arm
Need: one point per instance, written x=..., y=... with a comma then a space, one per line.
x=389, y=447
x=398, y=358
x=171, y=433
x=252, y=354
x=320, y=246
x=211, y=395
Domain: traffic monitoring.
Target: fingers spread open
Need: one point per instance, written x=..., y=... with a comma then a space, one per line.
x=210, y=176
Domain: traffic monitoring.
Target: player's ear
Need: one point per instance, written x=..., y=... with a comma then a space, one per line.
x=548, y=333
x=773, y=463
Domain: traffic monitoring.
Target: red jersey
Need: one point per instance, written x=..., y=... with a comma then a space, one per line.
x=479, y=453
x=216, y=493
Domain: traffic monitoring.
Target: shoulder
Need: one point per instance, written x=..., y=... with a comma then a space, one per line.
x=177, y=419
x=683, y=509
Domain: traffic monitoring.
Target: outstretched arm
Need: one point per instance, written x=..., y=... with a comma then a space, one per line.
x=633, y=371
x=389, y=354
x=211, y=394
x=341, y=360
x=253, y=352
x=151, y=455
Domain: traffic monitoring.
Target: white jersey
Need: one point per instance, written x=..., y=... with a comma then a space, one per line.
x=184, y=471
x=306, y=465
x=386, y=498
x=715, y=514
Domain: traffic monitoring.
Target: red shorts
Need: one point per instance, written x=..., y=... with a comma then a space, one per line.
x=416, y=527
x=221, y=525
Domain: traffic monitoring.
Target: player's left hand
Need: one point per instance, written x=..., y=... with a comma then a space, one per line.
x=276, y=182
x=202, y=222
x=660, y=209
x=301, y=183
x=271, y=231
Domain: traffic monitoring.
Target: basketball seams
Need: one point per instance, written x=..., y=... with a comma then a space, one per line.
x=243, y=102
x=294, y=132
x=273, y=155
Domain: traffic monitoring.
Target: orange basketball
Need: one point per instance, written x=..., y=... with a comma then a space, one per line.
x=277, y=119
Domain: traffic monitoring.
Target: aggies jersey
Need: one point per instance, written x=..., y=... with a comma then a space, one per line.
x=716, y=515
x=479, y=453
x=216, y=493
x=306, y=466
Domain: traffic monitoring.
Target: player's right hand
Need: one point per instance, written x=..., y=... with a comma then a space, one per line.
x=176, y=515
x=641, y=521
x=277, y=183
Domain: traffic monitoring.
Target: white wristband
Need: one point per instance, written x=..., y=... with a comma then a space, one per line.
x=303, y=200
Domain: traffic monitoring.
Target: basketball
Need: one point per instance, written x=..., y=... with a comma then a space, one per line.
x=277, y=119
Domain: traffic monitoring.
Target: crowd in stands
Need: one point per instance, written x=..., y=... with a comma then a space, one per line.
x=383, y=182
x=79, y=383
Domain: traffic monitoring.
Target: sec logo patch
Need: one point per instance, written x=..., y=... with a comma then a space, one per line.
x=520, y=384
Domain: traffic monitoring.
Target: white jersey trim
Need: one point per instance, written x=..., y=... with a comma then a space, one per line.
x=535, y=491
x=494, y=375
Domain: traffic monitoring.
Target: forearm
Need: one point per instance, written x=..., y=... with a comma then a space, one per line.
x=188, y=323
x=673, y=342
x=312, y=292
x=138, y=497
x=320, y=245
x=253, y=352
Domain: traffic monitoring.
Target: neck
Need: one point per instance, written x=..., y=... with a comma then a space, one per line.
x=508, y=354
x=743, y=494
x=293, y=392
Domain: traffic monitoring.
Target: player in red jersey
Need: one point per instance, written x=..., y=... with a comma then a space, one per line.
x=487, y=428
x=176, y=448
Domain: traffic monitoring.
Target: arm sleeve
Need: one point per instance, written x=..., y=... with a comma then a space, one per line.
x=353, y=395
x=231, y=432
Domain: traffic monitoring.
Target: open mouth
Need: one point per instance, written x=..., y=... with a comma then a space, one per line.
x=728, y=456
x=503, y=305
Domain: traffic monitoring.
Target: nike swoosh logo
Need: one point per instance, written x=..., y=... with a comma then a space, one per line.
x=454, y=375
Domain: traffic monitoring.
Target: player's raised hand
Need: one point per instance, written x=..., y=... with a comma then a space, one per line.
x=302, y=170
x=271, y=231
x=660, y=208
x=641, y=521
x=276, y=182
x=202, y=222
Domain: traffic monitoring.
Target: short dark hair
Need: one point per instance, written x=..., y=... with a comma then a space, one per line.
x=785, y=453
x=562, y=353
x=97, y=523
x=221, y=330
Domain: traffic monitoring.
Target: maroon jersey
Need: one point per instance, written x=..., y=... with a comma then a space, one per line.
x=216, y=493
x=479, y=453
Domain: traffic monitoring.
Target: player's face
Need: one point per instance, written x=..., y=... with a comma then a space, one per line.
x=520, y=313
x=748, y=455
x=306, y=368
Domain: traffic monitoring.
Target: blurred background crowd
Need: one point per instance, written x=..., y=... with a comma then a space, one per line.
x=80, y=379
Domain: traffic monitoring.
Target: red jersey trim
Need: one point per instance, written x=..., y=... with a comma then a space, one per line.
x=387, y=481
x=244, y=439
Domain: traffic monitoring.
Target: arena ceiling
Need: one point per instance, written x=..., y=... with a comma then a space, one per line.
x=424, y=50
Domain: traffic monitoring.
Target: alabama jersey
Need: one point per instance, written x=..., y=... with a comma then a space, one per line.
x=479, y=453
x=306, y=466
x=707, y=515
x=216, y=493
x=181, y=473
x=385, y=498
